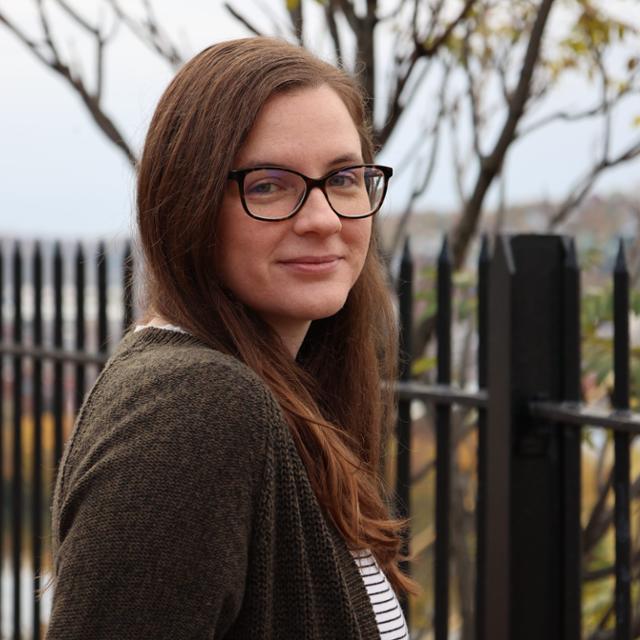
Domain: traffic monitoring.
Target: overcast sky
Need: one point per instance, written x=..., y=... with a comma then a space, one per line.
x=60, y=177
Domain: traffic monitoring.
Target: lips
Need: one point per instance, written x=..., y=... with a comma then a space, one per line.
x=312, y=264
x=312, y=259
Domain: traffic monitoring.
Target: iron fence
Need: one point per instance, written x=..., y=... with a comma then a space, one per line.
x=530, y=418
x=529, y=423
x=64, y=362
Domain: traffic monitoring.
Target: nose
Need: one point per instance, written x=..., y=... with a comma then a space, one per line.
x=316, y=216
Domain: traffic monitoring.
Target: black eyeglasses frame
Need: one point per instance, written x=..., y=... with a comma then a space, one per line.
x=238, y=175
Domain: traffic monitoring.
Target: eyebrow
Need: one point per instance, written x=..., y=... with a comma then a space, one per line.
x=342, y=159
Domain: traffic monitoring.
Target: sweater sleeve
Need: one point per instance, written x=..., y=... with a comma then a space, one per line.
x=153, y=512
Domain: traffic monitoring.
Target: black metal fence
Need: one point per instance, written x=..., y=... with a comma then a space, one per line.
x=528, y=561
x=530, y=418
x=47, y=361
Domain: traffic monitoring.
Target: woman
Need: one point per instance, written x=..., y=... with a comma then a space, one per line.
x=222, y=478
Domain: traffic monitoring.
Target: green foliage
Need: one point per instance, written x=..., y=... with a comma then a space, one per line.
x=590, y=34
x=420, y=366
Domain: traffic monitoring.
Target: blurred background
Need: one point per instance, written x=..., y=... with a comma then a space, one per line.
x=497, y=116
x=63, y=174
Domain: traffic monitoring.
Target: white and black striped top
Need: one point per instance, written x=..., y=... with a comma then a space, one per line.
x=389, y=616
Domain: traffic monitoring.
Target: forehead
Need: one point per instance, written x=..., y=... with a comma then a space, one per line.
x=306, y=126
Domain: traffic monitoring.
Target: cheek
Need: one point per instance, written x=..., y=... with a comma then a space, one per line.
x=244, y=247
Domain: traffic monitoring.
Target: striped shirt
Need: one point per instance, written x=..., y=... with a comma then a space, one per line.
x=389, y=616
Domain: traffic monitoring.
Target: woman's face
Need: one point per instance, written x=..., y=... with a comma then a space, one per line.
x=301, y=269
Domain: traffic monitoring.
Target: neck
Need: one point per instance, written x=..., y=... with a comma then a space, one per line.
x=291, y=333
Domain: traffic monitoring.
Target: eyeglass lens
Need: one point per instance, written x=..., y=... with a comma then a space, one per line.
x=275, y=193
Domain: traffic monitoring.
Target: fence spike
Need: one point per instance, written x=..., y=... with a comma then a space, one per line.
x=445, y=255
x=621, y=258
x=37, y=286
x=485, y=250
x=406, y=250
x=101, y=268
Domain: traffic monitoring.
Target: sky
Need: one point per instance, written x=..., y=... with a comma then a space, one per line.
x=59, y=176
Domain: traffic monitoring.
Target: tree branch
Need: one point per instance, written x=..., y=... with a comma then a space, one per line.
x=473, y=107
x=76, y=17
x=602, y=515
x=461, y=166
x=297, y=21
x=395, y=109
x=100, y=44
x=605, y=572
x=150, y=33
x=242, y=20
x=349, y=13
x=422, y=183
x=564, y=116
x=610, y=634
x=28, y=42
x=434, y=19
x=330, y=16
x=393, y=13
x=46, y=29
x=57, y=64
x=101, y=41
x=491, y=165
x=584, y=185
x=428, y=50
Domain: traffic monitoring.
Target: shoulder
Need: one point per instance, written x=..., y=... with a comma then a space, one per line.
x=159, y=360
x=164, y=370
x=165, y=398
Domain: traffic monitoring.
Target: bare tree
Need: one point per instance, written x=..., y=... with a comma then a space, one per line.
x=457, y=48
x=46, y=49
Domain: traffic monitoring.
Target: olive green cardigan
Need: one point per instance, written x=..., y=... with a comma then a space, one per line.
x=182, y=510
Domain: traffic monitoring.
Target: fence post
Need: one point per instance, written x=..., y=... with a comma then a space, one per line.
x=403, y=428
x=528, y=465
x=493, y=578
x=443, y=446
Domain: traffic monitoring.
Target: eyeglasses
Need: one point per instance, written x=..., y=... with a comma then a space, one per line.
x=271, y=193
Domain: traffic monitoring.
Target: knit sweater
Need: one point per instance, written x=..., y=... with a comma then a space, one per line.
x=182, y=510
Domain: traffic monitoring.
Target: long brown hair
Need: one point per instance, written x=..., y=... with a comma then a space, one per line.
x=331, y=395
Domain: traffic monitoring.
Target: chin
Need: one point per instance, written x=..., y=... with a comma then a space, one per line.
x=326, y=309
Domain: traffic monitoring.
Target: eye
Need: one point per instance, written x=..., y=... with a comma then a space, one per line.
x=345, y=179
x=263, y=188
x=271, y=183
